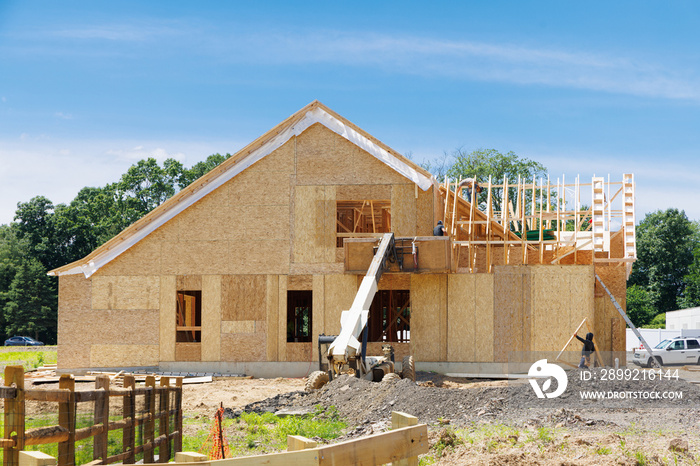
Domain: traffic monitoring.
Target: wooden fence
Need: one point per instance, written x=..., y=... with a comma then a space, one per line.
x=400, y=446
x=156, y=407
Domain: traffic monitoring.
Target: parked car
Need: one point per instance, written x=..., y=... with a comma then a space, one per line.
x=22, y=341
x=679, y=350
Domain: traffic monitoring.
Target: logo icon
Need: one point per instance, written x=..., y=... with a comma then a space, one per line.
x=543, y=370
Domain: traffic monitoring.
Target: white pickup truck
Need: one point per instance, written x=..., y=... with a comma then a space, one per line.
x=679, y=350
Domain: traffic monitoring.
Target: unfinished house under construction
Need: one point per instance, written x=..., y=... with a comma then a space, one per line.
x=242, y=270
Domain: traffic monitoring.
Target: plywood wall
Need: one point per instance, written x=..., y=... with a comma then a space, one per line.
x=429, y=317
x=74, y=310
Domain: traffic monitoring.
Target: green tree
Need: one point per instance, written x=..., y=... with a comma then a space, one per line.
x=482, y=163
x=639, y=306
x=691, y=292
x=200, y=169
x=31, y=302
x=665, y=244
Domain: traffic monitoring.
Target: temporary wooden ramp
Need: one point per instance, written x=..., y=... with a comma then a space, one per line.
x=530, y=222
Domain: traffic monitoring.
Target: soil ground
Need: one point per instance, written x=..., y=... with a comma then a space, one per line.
x=474, y=421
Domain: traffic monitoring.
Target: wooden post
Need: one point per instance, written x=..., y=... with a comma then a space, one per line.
x=399, y=420
x=297, y=442
x=149, y=426
x=178, y=419
x=189, y=457
x=36, y=458
x=66, y=419
x=164, y=423
x=14, y=415
x=99, y=445
x=129, y=409
x=571, y=338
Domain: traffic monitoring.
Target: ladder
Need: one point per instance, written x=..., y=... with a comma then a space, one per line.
x=629, y=322
x=598, y=214
x=628, y=219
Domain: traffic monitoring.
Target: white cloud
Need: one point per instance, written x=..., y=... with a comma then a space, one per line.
x=64, y=116
x=59, y=169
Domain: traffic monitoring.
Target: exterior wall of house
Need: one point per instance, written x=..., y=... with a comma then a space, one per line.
x=272, y=229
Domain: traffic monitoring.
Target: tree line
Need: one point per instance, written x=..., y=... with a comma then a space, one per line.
x=44, y=236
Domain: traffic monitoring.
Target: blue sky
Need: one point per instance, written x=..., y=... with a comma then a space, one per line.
x=87, y=88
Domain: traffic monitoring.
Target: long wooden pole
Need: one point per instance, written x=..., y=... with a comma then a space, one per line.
x=572, y=337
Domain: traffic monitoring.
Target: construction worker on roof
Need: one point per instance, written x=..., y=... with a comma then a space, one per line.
x=439, y=229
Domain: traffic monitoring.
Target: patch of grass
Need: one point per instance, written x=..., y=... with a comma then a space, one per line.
x=545, y=435
x=29, y=359
x=603, y=450
x=641, y=458
x=260, y=433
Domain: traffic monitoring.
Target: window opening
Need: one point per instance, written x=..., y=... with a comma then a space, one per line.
x=299, y=312
x=362, y=218
x=189, y=317
x=390, y=316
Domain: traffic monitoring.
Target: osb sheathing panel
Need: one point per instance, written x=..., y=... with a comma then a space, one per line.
x=74, y=311
x=243, y=347
x=484, y=318
x=300, y=352
x=318, y=307
x=391, y=281
x=429, y=317
x=196, y=257
x=122, y=326
x=461, y=305
x=358, y=254
x=144, y=258
x=340, y=291
x=362, y=192
x=282, y=318
x=300, y=282
x=188, y=351
x=238, y=326
x=130, y=292
x=425, y=220
x=123, y=355
x=312, y=226
x=254, y=186
x=272, y=315
x=168, y=309
x=260, y=221
x=243, y=297
x=73, y=356
x=189, y=283
x=434, y=254
x=74, y=292
x=211, y=317
x=617, y=243
x=323, y=157
x=615, y=278
x=316, y=269
x=562, y=298
x=209, y=219
x=509, y=289
x=258, y=257
x=403, y=209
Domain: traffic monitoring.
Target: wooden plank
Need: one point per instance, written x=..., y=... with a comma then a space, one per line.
x=14, y=415
x=66, y=419
x=212, y=297
x=46, y=434
x=168, y=299
x=282, y=318
x=570, y=339
x=56, y=396
x=177, y=444
x=272, y=316
x=149, y=426
x=399, y=420
x=100, y=443
x=36, y=458
x=318, y=310
x=190, y=457
x=129, y=413
x=297, y=443
x=379, y=449
x=164, y=423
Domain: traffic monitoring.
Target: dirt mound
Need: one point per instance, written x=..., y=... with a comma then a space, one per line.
x=361, y=402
